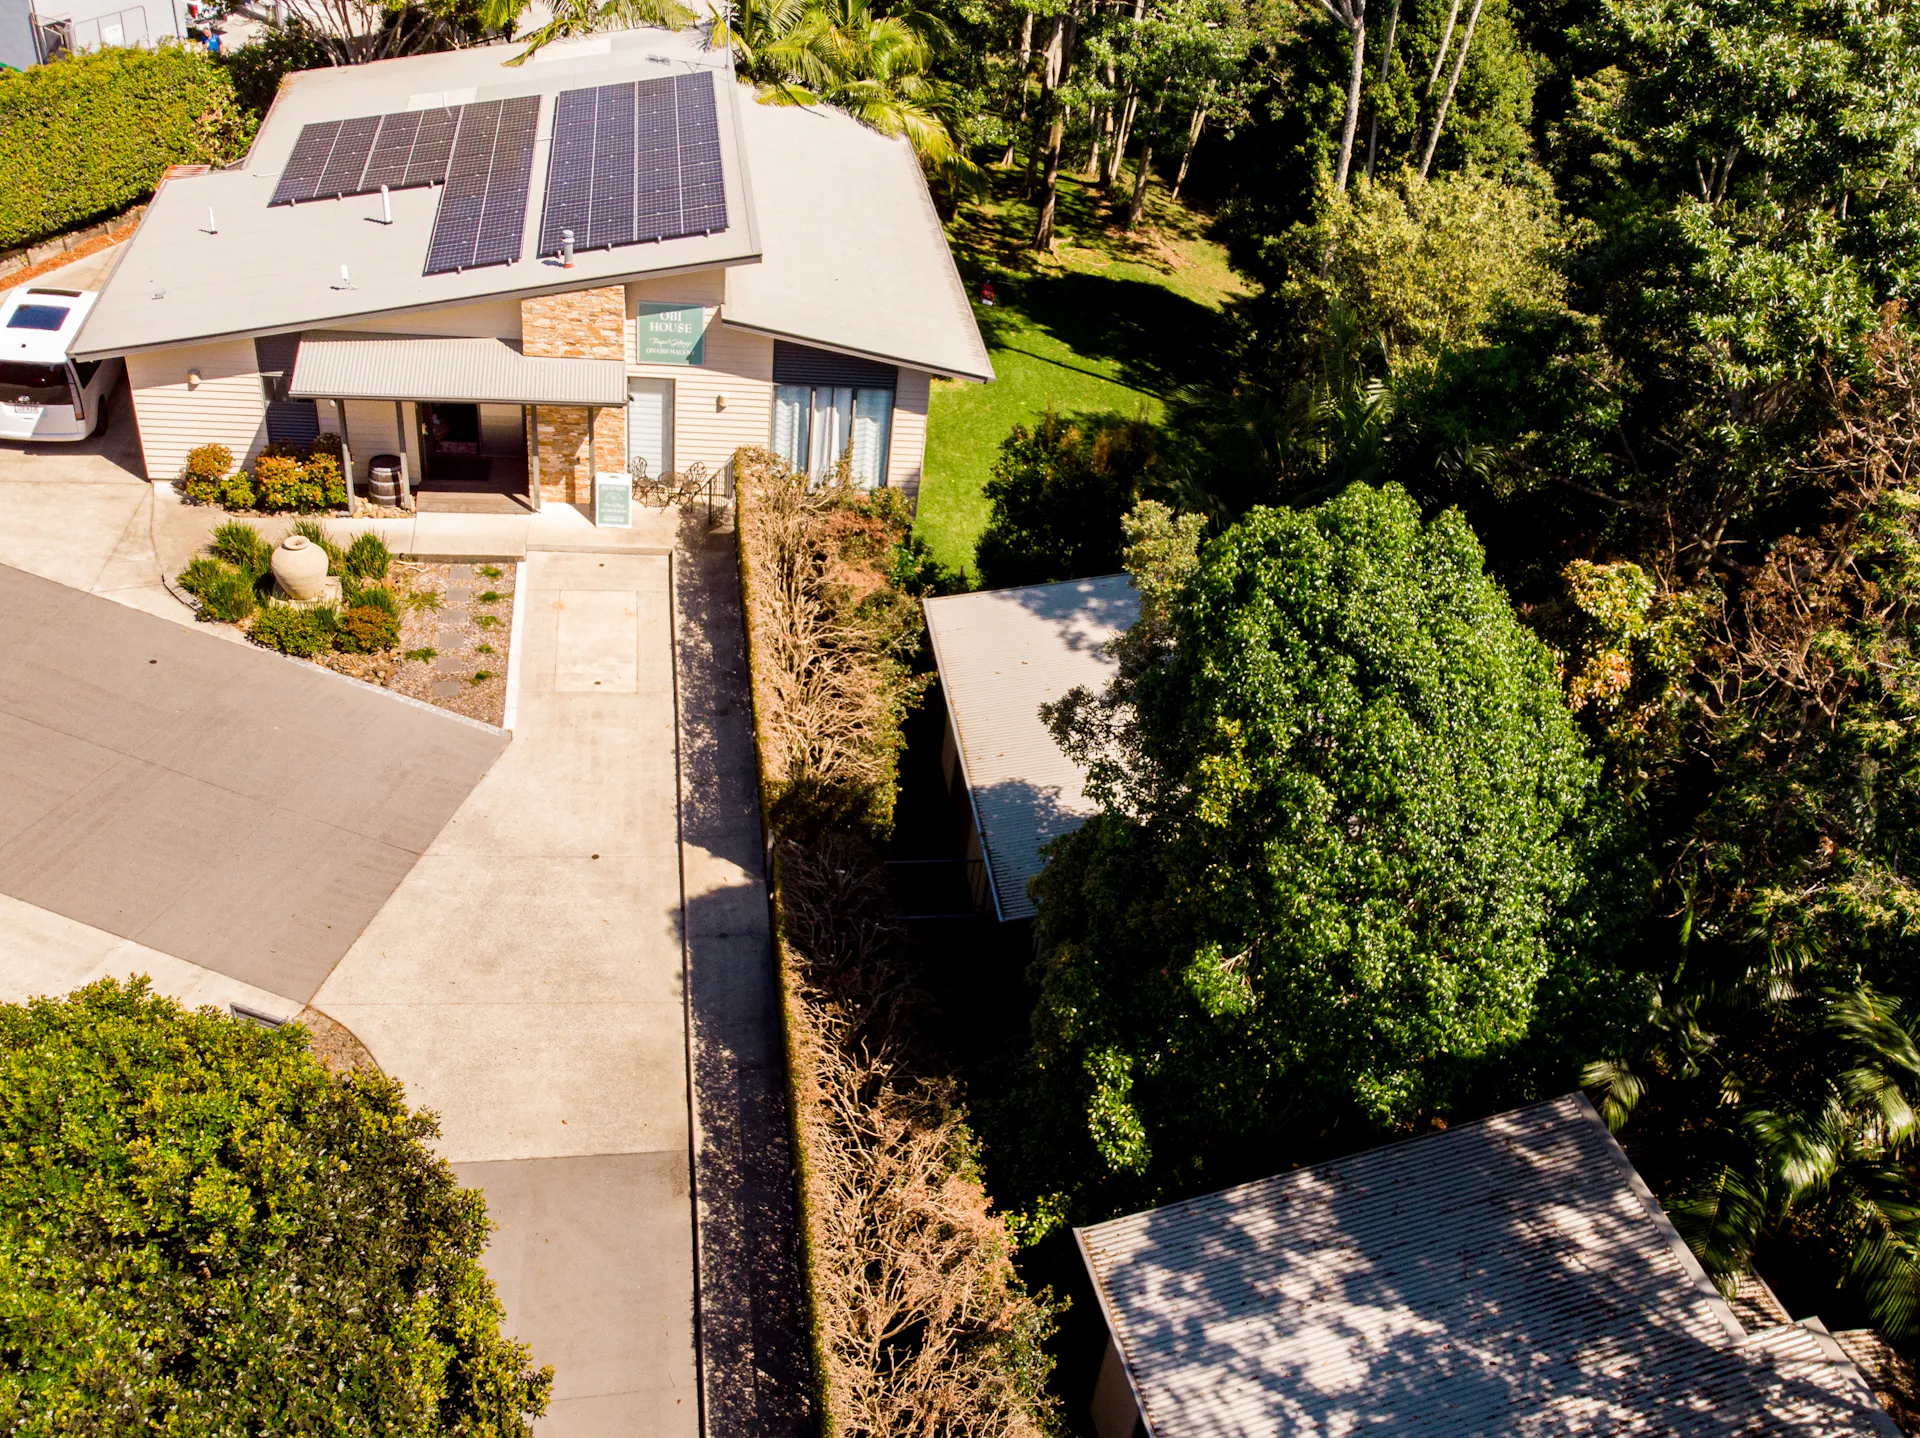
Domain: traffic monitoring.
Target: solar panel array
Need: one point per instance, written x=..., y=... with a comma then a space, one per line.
x=335, y=158
x=634, y=162
x=483, y=207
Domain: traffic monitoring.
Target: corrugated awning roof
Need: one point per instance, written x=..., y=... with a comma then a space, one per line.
x=1508, y=1276
x=1002, y=653
x=425, y=367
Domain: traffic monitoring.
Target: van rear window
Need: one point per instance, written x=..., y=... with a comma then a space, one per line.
x=33, y=383
x=39, y=317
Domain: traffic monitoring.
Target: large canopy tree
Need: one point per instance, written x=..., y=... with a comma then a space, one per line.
x=203, y=1231
x=1337, y=782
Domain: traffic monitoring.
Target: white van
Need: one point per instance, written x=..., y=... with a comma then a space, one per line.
x=44, y=395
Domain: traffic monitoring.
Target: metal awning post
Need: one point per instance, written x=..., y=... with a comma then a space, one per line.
x=533, y=456
x=346, y=454
x=400, y=436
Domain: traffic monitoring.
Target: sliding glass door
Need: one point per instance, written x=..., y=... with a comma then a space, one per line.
x=814, y=425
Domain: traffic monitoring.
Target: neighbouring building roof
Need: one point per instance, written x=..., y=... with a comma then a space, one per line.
x=1002, y=653
x=484, y=371
x=856, y=260
x=1513, y=1275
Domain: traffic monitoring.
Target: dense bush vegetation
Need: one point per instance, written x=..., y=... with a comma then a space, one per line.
x=1058, y=492
x=202, y=1230
x=91, y=134
x=921, y=1323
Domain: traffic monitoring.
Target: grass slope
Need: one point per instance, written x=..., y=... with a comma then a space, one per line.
x=1110, y=321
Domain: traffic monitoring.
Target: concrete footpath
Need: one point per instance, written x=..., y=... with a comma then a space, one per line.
x=525, y=982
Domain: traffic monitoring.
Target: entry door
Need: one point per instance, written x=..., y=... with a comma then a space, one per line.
x=650, y=424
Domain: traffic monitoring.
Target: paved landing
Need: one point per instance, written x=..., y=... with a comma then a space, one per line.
x=239, y=811
x=525, y=981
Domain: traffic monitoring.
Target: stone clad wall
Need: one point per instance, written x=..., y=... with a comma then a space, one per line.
x=581, y=324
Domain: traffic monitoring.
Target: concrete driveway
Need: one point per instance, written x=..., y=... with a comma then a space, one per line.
x=526, y=982
x=217, y=803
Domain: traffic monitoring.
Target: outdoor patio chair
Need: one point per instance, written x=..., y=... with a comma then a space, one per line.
x=644, y=488
x=693, y=483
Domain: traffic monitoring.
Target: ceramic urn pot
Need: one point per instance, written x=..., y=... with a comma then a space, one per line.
x=300, y=568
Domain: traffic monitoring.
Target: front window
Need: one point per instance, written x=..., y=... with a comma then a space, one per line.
x=814, y=425
x=33, y=383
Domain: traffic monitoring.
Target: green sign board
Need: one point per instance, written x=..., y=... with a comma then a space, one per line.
x=670, y=334
x=613, y=501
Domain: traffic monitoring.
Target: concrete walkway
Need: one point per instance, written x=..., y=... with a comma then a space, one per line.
x=526, y=982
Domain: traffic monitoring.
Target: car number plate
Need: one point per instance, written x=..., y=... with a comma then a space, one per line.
x=22, y=411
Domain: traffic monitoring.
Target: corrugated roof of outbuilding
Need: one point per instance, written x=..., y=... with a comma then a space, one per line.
x=1508, y=1276
x=1002, y=653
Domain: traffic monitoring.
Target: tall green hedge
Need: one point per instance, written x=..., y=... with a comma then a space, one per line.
x=89, y=135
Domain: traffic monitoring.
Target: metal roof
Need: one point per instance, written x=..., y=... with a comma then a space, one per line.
x=1513, y=1275
x=854, y=257
x=1002, y=653
x=344, y=365
x=212, y=260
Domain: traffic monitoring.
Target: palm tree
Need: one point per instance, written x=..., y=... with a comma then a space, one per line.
x=582, y=17
x=840, y=53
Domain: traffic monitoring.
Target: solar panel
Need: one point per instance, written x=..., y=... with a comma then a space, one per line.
x=306, y=164
x=657, y=163
x=703, y=186
x=433, y=146
x=610, y=213
x=483, y=208
x=457, y=223
x=569, y=169
x=355, y=157
x=388, y=163
x=635, y=162
x=504, y=216
x=349, y=158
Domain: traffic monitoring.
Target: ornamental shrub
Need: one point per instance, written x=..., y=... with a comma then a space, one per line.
x=204, y=1231
x=225, y=593
x=323, y=472
x=207, y=466
x=368, y=557
x=281, y=484
x=236, y=491
x=367, y=629
x=242, y=546
x=290, y=629
x=139, y=111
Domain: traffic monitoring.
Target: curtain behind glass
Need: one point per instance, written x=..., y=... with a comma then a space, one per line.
x=832, y=424
x=650, y=423
x=791, y=406
x=872, y=425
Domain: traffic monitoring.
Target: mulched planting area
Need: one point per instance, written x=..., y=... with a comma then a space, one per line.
x=453, y=646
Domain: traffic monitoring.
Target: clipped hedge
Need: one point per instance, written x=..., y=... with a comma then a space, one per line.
x=89, y=135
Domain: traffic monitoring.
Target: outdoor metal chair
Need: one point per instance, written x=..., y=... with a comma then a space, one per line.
x=645, y=489
x=692, y=483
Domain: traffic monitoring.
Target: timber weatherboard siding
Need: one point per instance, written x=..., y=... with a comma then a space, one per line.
x=228, y=405
x=907, y=445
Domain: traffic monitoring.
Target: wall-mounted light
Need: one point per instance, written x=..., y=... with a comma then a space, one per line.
x=193, y=379
x=719, y=401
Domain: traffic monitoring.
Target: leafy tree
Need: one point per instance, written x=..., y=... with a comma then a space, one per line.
x=203, y=1231
x=1338, y=794
x=1058, y=493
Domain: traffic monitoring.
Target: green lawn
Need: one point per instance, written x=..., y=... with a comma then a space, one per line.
x=1109, y=322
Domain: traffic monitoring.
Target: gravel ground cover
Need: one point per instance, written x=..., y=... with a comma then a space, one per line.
x=454, y=635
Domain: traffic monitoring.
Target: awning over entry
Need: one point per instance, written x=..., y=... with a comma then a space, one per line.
x=342, y=365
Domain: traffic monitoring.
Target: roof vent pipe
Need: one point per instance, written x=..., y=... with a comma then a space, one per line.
x=212, y=228
x=386, y=206
x=566, y=248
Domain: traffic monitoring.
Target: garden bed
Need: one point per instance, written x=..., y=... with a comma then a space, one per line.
x=453, y=655
x=439, y=633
